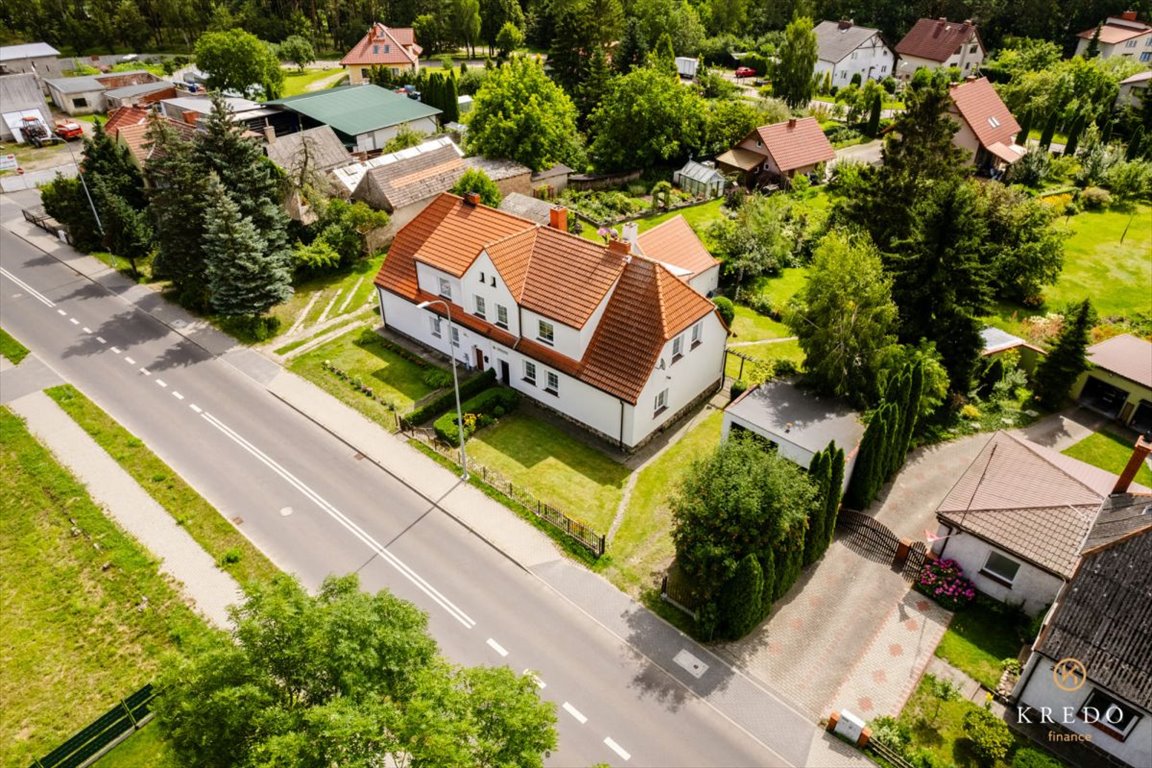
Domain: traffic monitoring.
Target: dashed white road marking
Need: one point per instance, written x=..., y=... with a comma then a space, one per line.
x=575, y=713
x=145, y=371
x=535, y=678
x=117, y=350
x=31, y=291
x=177, y=395
x=101, y=339
x=195, y=408
x=612, y=745
x=129, y=360
x=62, y=313
x=161, y=382
x=416, y=579
x=86, y=329
x=74, y=321
x=497, y=647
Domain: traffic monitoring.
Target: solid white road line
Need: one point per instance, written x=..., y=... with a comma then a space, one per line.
x=177, y=395
x=575, y=713
x=161, y=382
x=86, y=329
x=130, y=361
x=497, y=647
x=195, y=408
x=30, y=290
x=612, y=745
x=62, y=313
x=74, y=321
x=348, y=524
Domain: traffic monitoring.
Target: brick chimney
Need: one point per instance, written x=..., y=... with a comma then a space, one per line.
x=791, y=122
x=472, y=199
x=558, y=218
x=1140, y=452
x=1128, y=15
x=621, y=248
x=844, y=24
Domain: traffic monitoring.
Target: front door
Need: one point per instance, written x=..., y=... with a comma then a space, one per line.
x=504, y=375
x=479, y=358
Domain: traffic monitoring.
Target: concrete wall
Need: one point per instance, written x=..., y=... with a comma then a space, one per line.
x=1034, y=588
x=1039, y=689
x=85, y=103
x=368, y=142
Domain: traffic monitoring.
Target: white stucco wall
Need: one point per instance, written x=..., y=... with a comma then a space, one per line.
x=1040, y=690
x=565, y=339
x=707, y=281
x=873, y=61
x=94, y=101
x=965, y=138
x=1108, y=50
x=366, y=142
x=428, y=278
x=1036, y=589
x=492, y=289
x=967, y=63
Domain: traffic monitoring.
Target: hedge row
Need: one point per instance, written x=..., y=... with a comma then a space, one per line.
x=479, y=412
x=435, y=407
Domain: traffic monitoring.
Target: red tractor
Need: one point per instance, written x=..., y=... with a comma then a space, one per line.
x=36, y=133
x=69, y=129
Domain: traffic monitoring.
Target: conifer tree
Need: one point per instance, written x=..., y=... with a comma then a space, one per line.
x=835, y=491
x=1049, y=131
x=108, y=161
x=873, y=128
x=820, y=471
x=451, y=100
x=245, y=276
x=858, y=488
x=739, y=602
x=1073, y=135
x=1067, y=359
x=633, y=48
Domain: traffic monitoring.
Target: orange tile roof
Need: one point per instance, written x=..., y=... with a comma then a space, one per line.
x=675, y=243
x=568, y=277
x=124, y=116
x=936, y=39
x=134, y=135
x=1117, y=31
x=796, y=143
x=384, y=46
x=979, y=105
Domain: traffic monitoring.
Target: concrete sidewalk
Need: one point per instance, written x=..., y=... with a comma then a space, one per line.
x=208, y=588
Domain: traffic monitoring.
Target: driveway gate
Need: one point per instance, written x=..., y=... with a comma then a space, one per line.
x=871, y=538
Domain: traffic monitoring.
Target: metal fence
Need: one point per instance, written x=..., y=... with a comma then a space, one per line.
x=82, y=749
x=573, y=527
x=876, y=541
x=40, y=218
x=676, y=590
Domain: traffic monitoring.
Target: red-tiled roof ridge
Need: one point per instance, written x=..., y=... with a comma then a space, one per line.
x=795, y=143
x=937, y=39
x=675, y=242
x=127, y=115
x=361, y=53
x=977, y=103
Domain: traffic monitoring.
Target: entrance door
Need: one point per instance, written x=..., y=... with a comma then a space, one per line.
x=479, y=358
x=1103, y=397
x=505, y=378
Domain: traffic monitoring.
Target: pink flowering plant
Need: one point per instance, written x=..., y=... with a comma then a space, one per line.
x=944, y=582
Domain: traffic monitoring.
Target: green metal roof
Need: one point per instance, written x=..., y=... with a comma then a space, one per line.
x=357, y=109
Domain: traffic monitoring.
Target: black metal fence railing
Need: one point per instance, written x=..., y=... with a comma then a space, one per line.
x=132, y=712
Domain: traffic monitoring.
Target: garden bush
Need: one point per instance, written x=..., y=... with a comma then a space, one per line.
x=762, y=305
x=1026, y=757
x=603, y=206
x=437, y=379
x=943, y=581
x=1095, y=199
x=989, y=735
x=888, y=731
x=739, y=387
x=479, y=412
x=784, y=367
x=447, y=400
x=726, y=309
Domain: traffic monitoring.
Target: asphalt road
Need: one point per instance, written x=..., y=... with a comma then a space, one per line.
x=306, y=501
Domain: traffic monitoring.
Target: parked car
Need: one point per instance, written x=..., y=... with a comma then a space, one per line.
x=69, y=129
x=745, y=72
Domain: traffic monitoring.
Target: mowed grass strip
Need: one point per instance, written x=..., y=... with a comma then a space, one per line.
x=1115, y=275
x=219, y=538
x=88, y=617
x=1109, y=451
x=12, y=349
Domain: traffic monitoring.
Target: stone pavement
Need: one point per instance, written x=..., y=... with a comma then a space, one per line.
x=1059, y=431
x=203, y=584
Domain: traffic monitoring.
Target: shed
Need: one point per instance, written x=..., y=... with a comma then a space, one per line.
x=531, y=208
x=798, y=422
x=20, y=97
x=1119, y=383
x=365, y=117
x=700, y=179
x=509, y=175
x=87, y=94
x=37, y=59
x=552, y=181
x=464, y=104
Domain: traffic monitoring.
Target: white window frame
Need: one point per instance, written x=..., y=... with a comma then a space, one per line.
x=1131, y=44
x=481, y=306
x=661, y=402
x=677, y=348
x=434, y=322
x=989, y=569
x=551, y=382
x=501, y=316
x=455, y=335
x=1113, y=701
x=445, y=288
x=697, y=334
x=530, y=372
x=548, y=338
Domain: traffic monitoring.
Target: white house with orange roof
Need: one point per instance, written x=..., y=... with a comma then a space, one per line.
x=393, y=48
x=1124, y=36
x=986, y=131
x=605, y=335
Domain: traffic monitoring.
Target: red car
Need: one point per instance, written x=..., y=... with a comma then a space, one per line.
x=69, y=129
x=745, y=72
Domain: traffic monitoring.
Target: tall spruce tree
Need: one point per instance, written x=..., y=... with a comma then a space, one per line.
x=835, y=492
x=246, y=277
x=820, y=471
x=108, y=161
x=1067, y=359
x=632, y=51
x=571, y=50
x=451, y=107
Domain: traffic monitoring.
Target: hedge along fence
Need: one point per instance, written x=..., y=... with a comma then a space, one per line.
x=480, y=411
x=447, y=401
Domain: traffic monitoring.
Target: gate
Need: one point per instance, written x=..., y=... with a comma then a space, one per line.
x=872, y=539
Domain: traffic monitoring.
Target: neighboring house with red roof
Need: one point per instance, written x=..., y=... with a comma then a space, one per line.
x=129, y=127
x=393, y=48
x=939, y=43
x=1121, y=35
x=610, y=338
x=987, y=131
x=776, y=153
x=1119, y=382
x=1017, y=519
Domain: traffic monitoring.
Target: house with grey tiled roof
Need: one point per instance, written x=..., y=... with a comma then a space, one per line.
x=846, y=50
x=1018, y=518
x=1089, y=666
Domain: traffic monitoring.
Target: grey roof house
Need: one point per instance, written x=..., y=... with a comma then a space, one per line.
x=38, y=59
x=89, y=93
x=365, y=117
x=20, y=97
x=306, y=157
x=847, y=50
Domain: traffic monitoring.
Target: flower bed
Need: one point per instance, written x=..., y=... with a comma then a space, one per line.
x=479, y=412
x=944, y=582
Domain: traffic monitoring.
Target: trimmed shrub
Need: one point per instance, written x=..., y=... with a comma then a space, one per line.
x=944, y=582
x=447, y=400
x=479, y=412
x=784, y=367
x=1095, y=199
x=726, y=309
x=437, y=379
x=739, y=387
x=888, y=731
x=989, y=735
x=738, y=605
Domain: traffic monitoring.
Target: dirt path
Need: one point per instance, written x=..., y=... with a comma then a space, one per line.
x=325, y=82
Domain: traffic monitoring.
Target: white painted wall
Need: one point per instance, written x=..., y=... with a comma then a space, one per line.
x=492, y=289
x=428, y=278
x=1033, y=587
x=94, y=101
x=785, y=447
x=707, y=281
x=1040, y=690
x=872, y=61
x=968, y=63
x=565, y=339
x=366, y=142
x=1142, y=45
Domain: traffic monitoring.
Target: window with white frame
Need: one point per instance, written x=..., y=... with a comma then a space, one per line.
x=1130, y=44
x=1000, y=568
x=455, y=336
x=445, y=288
x=530, y=372
x=661, y=403
x=480, y=306
x=677, y=347
x=434, y=323
x=697, y=334
x=1109, y=714
x=552, y=385
x=546, y=332
x=501, y=315
x=972, y=49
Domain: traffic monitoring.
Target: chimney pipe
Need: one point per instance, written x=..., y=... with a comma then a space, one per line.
x=791, y=122
x=1128, y=15
x=472, y=199
x=558, y=218
x=1140, y=452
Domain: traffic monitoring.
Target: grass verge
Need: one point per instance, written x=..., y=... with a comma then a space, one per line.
x=227, y=546
x=1109, y=451
x=88, y=617
x=977, y=640
x=144, y=749
x=12, y=349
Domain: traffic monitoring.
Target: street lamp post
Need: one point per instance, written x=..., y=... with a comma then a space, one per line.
x=455, y=385
x=84, y=184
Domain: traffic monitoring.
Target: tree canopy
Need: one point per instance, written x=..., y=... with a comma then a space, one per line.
x=475, y=180
x=236, y=60
x=344, y=678
x=792, y=76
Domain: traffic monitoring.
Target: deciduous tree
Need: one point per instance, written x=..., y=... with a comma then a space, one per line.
x=792, y=77
x=475, y=180
x=236, y=60
x=298, y=50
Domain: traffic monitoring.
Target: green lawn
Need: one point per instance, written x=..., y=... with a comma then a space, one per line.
x=553, y=466
x=12, y=349
x=78, y=634
x=751, y=326
x=643, y=547
x=977, y=640
x=766, y=353
x=356, y=283
x=366, y=357
x=1109, y=451
x=296, y=82
x=144, y=749
x=211, y=530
